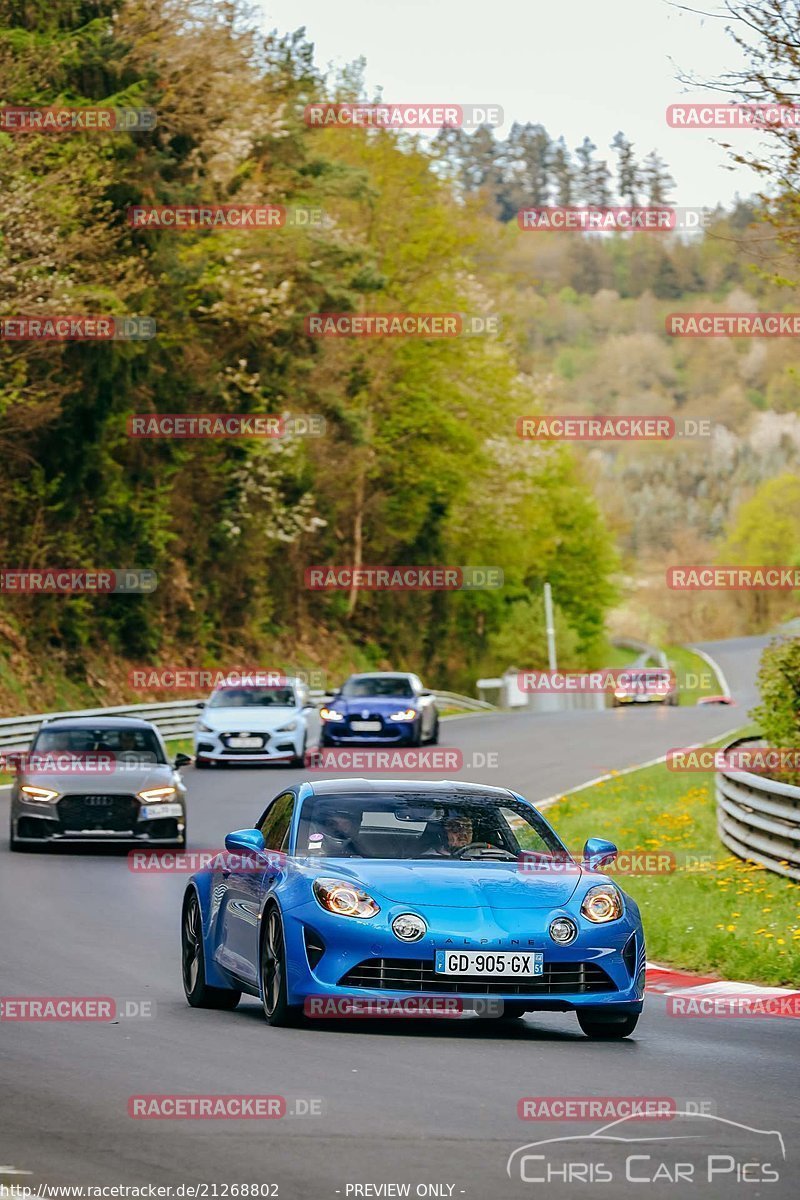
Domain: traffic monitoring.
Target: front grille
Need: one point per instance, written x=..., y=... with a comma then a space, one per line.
x=225, y=739
x=418, y=975
x=357, y=716
x=113, y=813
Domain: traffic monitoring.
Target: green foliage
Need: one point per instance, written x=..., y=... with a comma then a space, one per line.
x=420, y=462
x=778, y=715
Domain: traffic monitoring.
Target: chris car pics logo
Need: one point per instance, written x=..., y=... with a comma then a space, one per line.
x=697, y=1148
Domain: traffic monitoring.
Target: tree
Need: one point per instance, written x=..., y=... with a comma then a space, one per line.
x=528, y=159
x=628, y=177
x=562, y=172
x=766, y=532
x=656, y=179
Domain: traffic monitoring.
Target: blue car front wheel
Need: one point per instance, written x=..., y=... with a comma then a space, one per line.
x=607, y=1027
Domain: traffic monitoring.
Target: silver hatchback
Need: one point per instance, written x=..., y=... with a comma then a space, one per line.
x=98, y=779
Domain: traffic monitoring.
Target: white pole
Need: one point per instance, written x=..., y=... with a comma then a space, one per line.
x=550, y=627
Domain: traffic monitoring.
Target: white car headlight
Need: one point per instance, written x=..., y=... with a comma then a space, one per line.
x=202, y=728
x=602, y=903
x=287, y=728
x=407, y=714
x=343, y=898
x=150, y=795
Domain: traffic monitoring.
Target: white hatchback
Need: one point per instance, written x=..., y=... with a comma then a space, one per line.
x=249, y=723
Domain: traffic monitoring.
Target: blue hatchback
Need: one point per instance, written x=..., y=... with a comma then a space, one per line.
x=387, y=708
x=365, y=889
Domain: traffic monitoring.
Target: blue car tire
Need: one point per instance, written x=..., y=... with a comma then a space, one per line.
x=193, y=963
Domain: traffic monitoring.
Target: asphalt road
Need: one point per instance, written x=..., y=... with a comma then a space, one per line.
x=401, y=1103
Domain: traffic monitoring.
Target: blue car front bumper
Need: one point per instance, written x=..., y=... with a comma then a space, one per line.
x=392, y=733
x=329, y=955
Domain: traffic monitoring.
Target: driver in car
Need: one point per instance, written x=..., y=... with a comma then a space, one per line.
x=457, y=833
x=339, y=834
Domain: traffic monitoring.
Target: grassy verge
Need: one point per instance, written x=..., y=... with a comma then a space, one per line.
x=694, y=675
x=723, y=917
x=619, y=656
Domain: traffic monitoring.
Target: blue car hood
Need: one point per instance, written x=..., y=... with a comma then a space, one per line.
x=375, y=704
x=448, y=884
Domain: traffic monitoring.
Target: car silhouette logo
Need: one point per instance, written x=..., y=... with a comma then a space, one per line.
x=614, y=1133
x=365, y=713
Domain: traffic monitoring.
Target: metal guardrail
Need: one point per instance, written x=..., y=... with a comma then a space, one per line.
x=454, y=699
x=644, y=648
x=175, y=719
x=759, y=819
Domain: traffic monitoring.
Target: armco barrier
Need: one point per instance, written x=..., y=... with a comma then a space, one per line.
x=759, y=818
x=175, y=719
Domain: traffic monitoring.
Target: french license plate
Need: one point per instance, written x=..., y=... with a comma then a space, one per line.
x=243, y=742
x=489, y=962
x=151, y=812
x=366, y=726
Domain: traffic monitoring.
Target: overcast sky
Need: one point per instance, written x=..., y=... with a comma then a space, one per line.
x=576, y=66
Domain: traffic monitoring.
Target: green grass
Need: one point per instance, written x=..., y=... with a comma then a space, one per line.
x=619, y=656
x=726, y=918
x=685, y=662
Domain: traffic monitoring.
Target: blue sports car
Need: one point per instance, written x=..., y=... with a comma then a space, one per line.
x=355, y=888
x=388, y=708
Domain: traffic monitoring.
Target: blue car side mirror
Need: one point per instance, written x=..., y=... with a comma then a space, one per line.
x=248, y=841
x=597, y=852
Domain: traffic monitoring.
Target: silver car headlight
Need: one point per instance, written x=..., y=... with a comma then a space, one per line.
x=287, y=728
x=151, y=795
x=37, y=793
x=201, y=728
x=602, y=903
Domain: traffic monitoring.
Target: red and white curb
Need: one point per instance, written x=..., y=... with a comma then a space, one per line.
x=721, y=997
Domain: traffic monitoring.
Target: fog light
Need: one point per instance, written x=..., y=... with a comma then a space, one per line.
x=409, y=927
x=563, y=931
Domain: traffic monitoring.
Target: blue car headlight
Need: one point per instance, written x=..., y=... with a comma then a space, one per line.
x=563, y=930
x=344, y=899
x=331, y=714
x=602, y=903
x=407, y=714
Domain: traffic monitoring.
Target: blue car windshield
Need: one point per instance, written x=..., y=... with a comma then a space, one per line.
x=379, y=685
x=425, y=827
